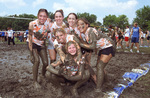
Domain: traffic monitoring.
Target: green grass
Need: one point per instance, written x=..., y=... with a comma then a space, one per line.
x=18, y=41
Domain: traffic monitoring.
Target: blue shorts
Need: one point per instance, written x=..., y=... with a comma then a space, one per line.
x=135, y=40
x=50, y=45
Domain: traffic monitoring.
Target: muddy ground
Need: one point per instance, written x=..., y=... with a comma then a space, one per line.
x=16, y=76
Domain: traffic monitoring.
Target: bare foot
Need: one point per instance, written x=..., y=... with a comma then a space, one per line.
x=37, y=85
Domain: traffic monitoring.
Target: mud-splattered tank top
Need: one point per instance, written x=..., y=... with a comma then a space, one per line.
x=39, y=32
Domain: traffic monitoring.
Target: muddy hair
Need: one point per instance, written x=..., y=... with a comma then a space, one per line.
x=73, y=14
x=59, y=30
x=61, y=11
x=68, y=44
x=84, y=20
x=43, y=10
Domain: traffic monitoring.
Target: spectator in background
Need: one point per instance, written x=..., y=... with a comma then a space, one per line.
x=10, y=36
x=5, y=36
x=111, y=33
x=135, y=33
x=21, y=36
x=127, y=35
x=25, y=37
x=141, y=39
x=148, y=37
x=0, y=36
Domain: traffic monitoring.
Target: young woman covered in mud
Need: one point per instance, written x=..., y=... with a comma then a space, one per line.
x=71, y=19
x=38, y=30
x=58, y=23
x=71, y=69
x=102, y=43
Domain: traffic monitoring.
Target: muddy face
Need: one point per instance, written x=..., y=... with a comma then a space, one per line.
x=60, y=37
x=82, y=26
x=42, y=17
x=72, y=49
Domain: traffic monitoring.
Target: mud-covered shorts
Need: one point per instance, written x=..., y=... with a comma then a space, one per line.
x=35, y=46
x=107, y=51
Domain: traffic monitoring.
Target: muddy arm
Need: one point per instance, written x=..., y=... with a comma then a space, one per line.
x=92, y=42
x=78, y=76
x=51, y=68
x=30, y=35
x=60, y=52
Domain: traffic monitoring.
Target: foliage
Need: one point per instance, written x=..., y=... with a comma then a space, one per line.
x=143, y=17
x=120, y=21
x=16, y=23
x=51, y=15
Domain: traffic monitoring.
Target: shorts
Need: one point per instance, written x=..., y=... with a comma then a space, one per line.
x=126, y=39
x=142, y=37
x=50, y=45
x=116, y=38
x=107, y=51
x=148, y=37
x=135, y=40
x=120, y=37
x=35, y=46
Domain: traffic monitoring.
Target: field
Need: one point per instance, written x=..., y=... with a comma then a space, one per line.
x=16, y=75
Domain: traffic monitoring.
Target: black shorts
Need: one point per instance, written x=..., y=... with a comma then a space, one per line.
x=107, y=51
x=120, y=37
x=35, y=46
x=148, y=37
x=83, y=50
x=142, y=37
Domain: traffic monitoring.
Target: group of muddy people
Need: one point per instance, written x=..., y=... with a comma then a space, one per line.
x=82, y=52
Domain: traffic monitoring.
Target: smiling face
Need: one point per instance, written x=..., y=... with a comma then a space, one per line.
x=71, y=20
x=82, y=26
x=60, y=37
x=72, y=49
x=42, y=17
x=59, y=18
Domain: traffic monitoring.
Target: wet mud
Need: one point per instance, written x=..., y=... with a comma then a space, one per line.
x=16, y=76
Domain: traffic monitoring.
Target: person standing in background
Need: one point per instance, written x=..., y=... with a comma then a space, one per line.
x=127, y=35
x=148, y=37
x=135, y=33
x=10, y=36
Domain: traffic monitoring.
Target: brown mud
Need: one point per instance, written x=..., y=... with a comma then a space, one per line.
x=16, y=76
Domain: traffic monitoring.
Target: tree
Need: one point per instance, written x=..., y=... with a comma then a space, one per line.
x=91, y=18
x=122, y=21
x=17, y=22
x=143, y=17
x=110, y=20
x=51, y=15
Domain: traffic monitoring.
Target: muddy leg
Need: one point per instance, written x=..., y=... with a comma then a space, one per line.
x=44, y=58
x=35, y=68
x=100, y=75
x=85, y=78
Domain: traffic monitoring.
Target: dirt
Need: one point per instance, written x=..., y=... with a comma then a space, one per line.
x=16, y=76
